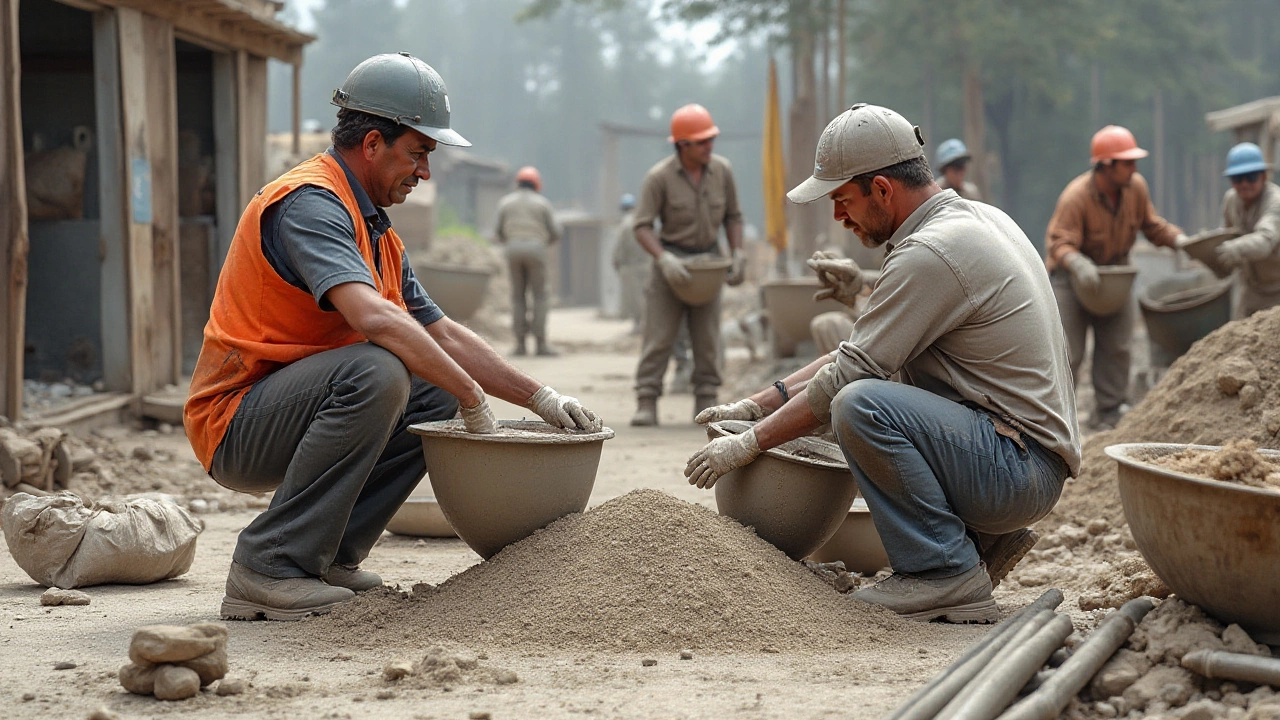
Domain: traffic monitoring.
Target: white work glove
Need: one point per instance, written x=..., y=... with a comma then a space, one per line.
x=673, y=269
x=841, y=278
x=744, y=409
x=721, y=456
x=562, y=411
x=738, y=271
x=479, y=419
x=1084, y=272
x=1229, y=254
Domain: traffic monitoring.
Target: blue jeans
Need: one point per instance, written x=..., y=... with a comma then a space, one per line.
x=931, y=468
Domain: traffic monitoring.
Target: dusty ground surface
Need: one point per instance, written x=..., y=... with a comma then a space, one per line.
x=323, y=668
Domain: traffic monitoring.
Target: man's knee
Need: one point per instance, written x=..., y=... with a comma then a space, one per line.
x=852, y=407
x=383, y=375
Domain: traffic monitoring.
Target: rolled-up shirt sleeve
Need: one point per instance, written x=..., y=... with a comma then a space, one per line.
x=1065, y=234
x=1158, y=230
x=732, y=211
x=650, y=204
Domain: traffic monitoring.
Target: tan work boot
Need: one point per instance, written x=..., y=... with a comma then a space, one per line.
x=251, y=595
x=702, y=402
x=1004, y=551
x=964, y=598
x=646, y=413
x=352, y=578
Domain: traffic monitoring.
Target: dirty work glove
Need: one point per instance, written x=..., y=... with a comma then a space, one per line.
x=673, y=270
x=479, y=419
x=737, y=271
x=1229, y=254
x=841, y=278
x=721, y=456
x=562, y=411
x=1084, y=272
x=744, y=409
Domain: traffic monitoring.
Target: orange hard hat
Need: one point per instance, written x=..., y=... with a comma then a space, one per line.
x=529, y=174
x=1114, y=143
x=693, y=123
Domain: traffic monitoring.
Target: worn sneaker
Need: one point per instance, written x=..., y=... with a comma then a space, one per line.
x=964, y=598
x=352, y=578
x=1003, y=552
x=252, y=595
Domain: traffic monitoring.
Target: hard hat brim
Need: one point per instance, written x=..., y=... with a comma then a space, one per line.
x=697, y=137
x=1130, y=154
x=813, y=189
x=1246, y=168
x=446, y=136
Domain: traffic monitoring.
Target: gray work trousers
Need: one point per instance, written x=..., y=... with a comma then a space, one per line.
x=663, y=316
x=1112, y=341
x=329, y=433
x=528, y=265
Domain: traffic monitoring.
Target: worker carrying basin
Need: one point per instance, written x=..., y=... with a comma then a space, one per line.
x=964, y=315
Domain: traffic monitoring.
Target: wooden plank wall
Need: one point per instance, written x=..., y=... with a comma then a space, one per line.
x=162, y=149
x=14, y=242
x=114, y=296
x=252, y=104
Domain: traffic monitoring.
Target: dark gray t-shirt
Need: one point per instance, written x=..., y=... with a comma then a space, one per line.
x=308, y=239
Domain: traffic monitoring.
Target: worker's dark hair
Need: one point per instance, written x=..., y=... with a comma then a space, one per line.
x=527, y=184
x=354, y=125
x=914, y=173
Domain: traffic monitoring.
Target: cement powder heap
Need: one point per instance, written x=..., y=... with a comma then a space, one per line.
x=644, y=571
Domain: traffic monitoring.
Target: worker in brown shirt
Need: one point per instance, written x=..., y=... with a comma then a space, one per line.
x=692, y=193
x=527, y=228
x=1096, y=222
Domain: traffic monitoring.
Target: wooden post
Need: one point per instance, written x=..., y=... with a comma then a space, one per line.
x=807, y=221
x=113, y=226
x=975, y=126
x=296, y=146
x=1158, y=184
x=841, y=106
x=14, y=242
x=162, y=126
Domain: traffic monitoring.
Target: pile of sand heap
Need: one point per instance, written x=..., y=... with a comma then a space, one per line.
x=644, y=571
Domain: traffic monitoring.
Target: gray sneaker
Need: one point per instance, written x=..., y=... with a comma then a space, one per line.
x=352, y=578
x=1003, y=552
x=964, y=598
x=252, y=595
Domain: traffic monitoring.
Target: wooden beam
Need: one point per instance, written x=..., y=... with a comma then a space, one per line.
x=295, y=146
x=221, y=23
x=226, y=151
x=253, y=123
x=114, y=294
x=162, y=125
x=14, y=242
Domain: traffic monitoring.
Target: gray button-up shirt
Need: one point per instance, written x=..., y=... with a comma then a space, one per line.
x=963, y=309
x=1261, y=243
x=691, y=215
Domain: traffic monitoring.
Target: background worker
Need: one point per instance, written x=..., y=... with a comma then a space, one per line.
x=1252, y=206
x=526, y=227
x=952, y=161
x=693, y=194
x=632, y=264
x=975, y=441
x=1095, y=223
x=322, y=348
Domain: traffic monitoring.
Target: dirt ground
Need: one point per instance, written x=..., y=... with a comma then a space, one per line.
x=296, y=672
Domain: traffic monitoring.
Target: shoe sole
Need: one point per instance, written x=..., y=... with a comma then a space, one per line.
x=233, y=609
x=982, y=612
x=1005, y=559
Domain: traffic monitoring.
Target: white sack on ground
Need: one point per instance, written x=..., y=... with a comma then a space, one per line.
x=61, y=542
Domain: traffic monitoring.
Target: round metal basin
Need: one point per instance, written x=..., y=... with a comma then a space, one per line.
x=498, y=489
x=1203, y=246
x=708, y=276
x=458, y=289
x=791, y=307
x=1181, y=309
x=421, y=517
x=856, y=543
x=1215, y=544
x=1113, y=291
x=795, y=495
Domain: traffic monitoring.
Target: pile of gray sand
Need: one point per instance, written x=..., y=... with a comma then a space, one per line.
x=644, y=571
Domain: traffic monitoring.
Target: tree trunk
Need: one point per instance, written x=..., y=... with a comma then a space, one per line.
x=975, y=126
x=806, y=220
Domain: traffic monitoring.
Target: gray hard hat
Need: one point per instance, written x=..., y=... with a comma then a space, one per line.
x=400, y=87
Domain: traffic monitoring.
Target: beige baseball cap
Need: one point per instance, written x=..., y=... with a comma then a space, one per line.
x=861, y=139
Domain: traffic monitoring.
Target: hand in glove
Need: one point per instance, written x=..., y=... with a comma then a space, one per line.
x=1084, y=272
x=744, y=409
x=479, y=419
x=562, y=411
x=1229, y=254
x=738, y=271
x=721, y=456
x=673, y=269
x=841, y=278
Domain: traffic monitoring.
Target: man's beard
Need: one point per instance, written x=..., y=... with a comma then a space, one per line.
x=877, y=227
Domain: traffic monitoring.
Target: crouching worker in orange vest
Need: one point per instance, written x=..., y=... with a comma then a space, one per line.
x=322, y=348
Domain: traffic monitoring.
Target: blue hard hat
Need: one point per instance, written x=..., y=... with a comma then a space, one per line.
x=628, y=201
x=1244, y=158
x=950, y=151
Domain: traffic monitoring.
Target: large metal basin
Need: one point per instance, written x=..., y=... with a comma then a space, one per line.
x=795, y=495
x=708, y=273
x=458, y=289
x=791, y=307
x=856, y=543
x=1181, y=309
x=1215, y=544
x=498, y=489
x=1112, y=293
x=1203, y=247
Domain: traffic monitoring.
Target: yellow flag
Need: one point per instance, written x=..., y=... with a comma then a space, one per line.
x=775, y=187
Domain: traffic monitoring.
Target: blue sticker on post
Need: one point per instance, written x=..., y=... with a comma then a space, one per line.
x=140, y=190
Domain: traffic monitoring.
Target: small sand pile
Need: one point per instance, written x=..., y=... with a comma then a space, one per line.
x=445, y=669
x=644, y=571
x=1238, y=462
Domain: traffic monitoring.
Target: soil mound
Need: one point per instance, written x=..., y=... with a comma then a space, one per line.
x=644, y=571
x=1238, y=461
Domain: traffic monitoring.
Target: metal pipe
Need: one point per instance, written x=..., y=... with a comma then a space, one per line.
x=928, y=700
x=1016, y=639
x=1053, y=695
x=990, y=693
x=1234, y=666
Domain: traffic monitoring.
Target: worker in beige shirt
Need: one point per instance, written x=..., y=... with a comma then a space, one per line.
x=974, y=442
x=952, y=162
x=1096, y=223
x=693, y=194
x=1252, y=206
x=527, y=227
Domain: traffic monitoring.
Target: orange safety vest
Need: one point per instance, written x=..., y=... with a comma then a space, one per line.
x=259, y=323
